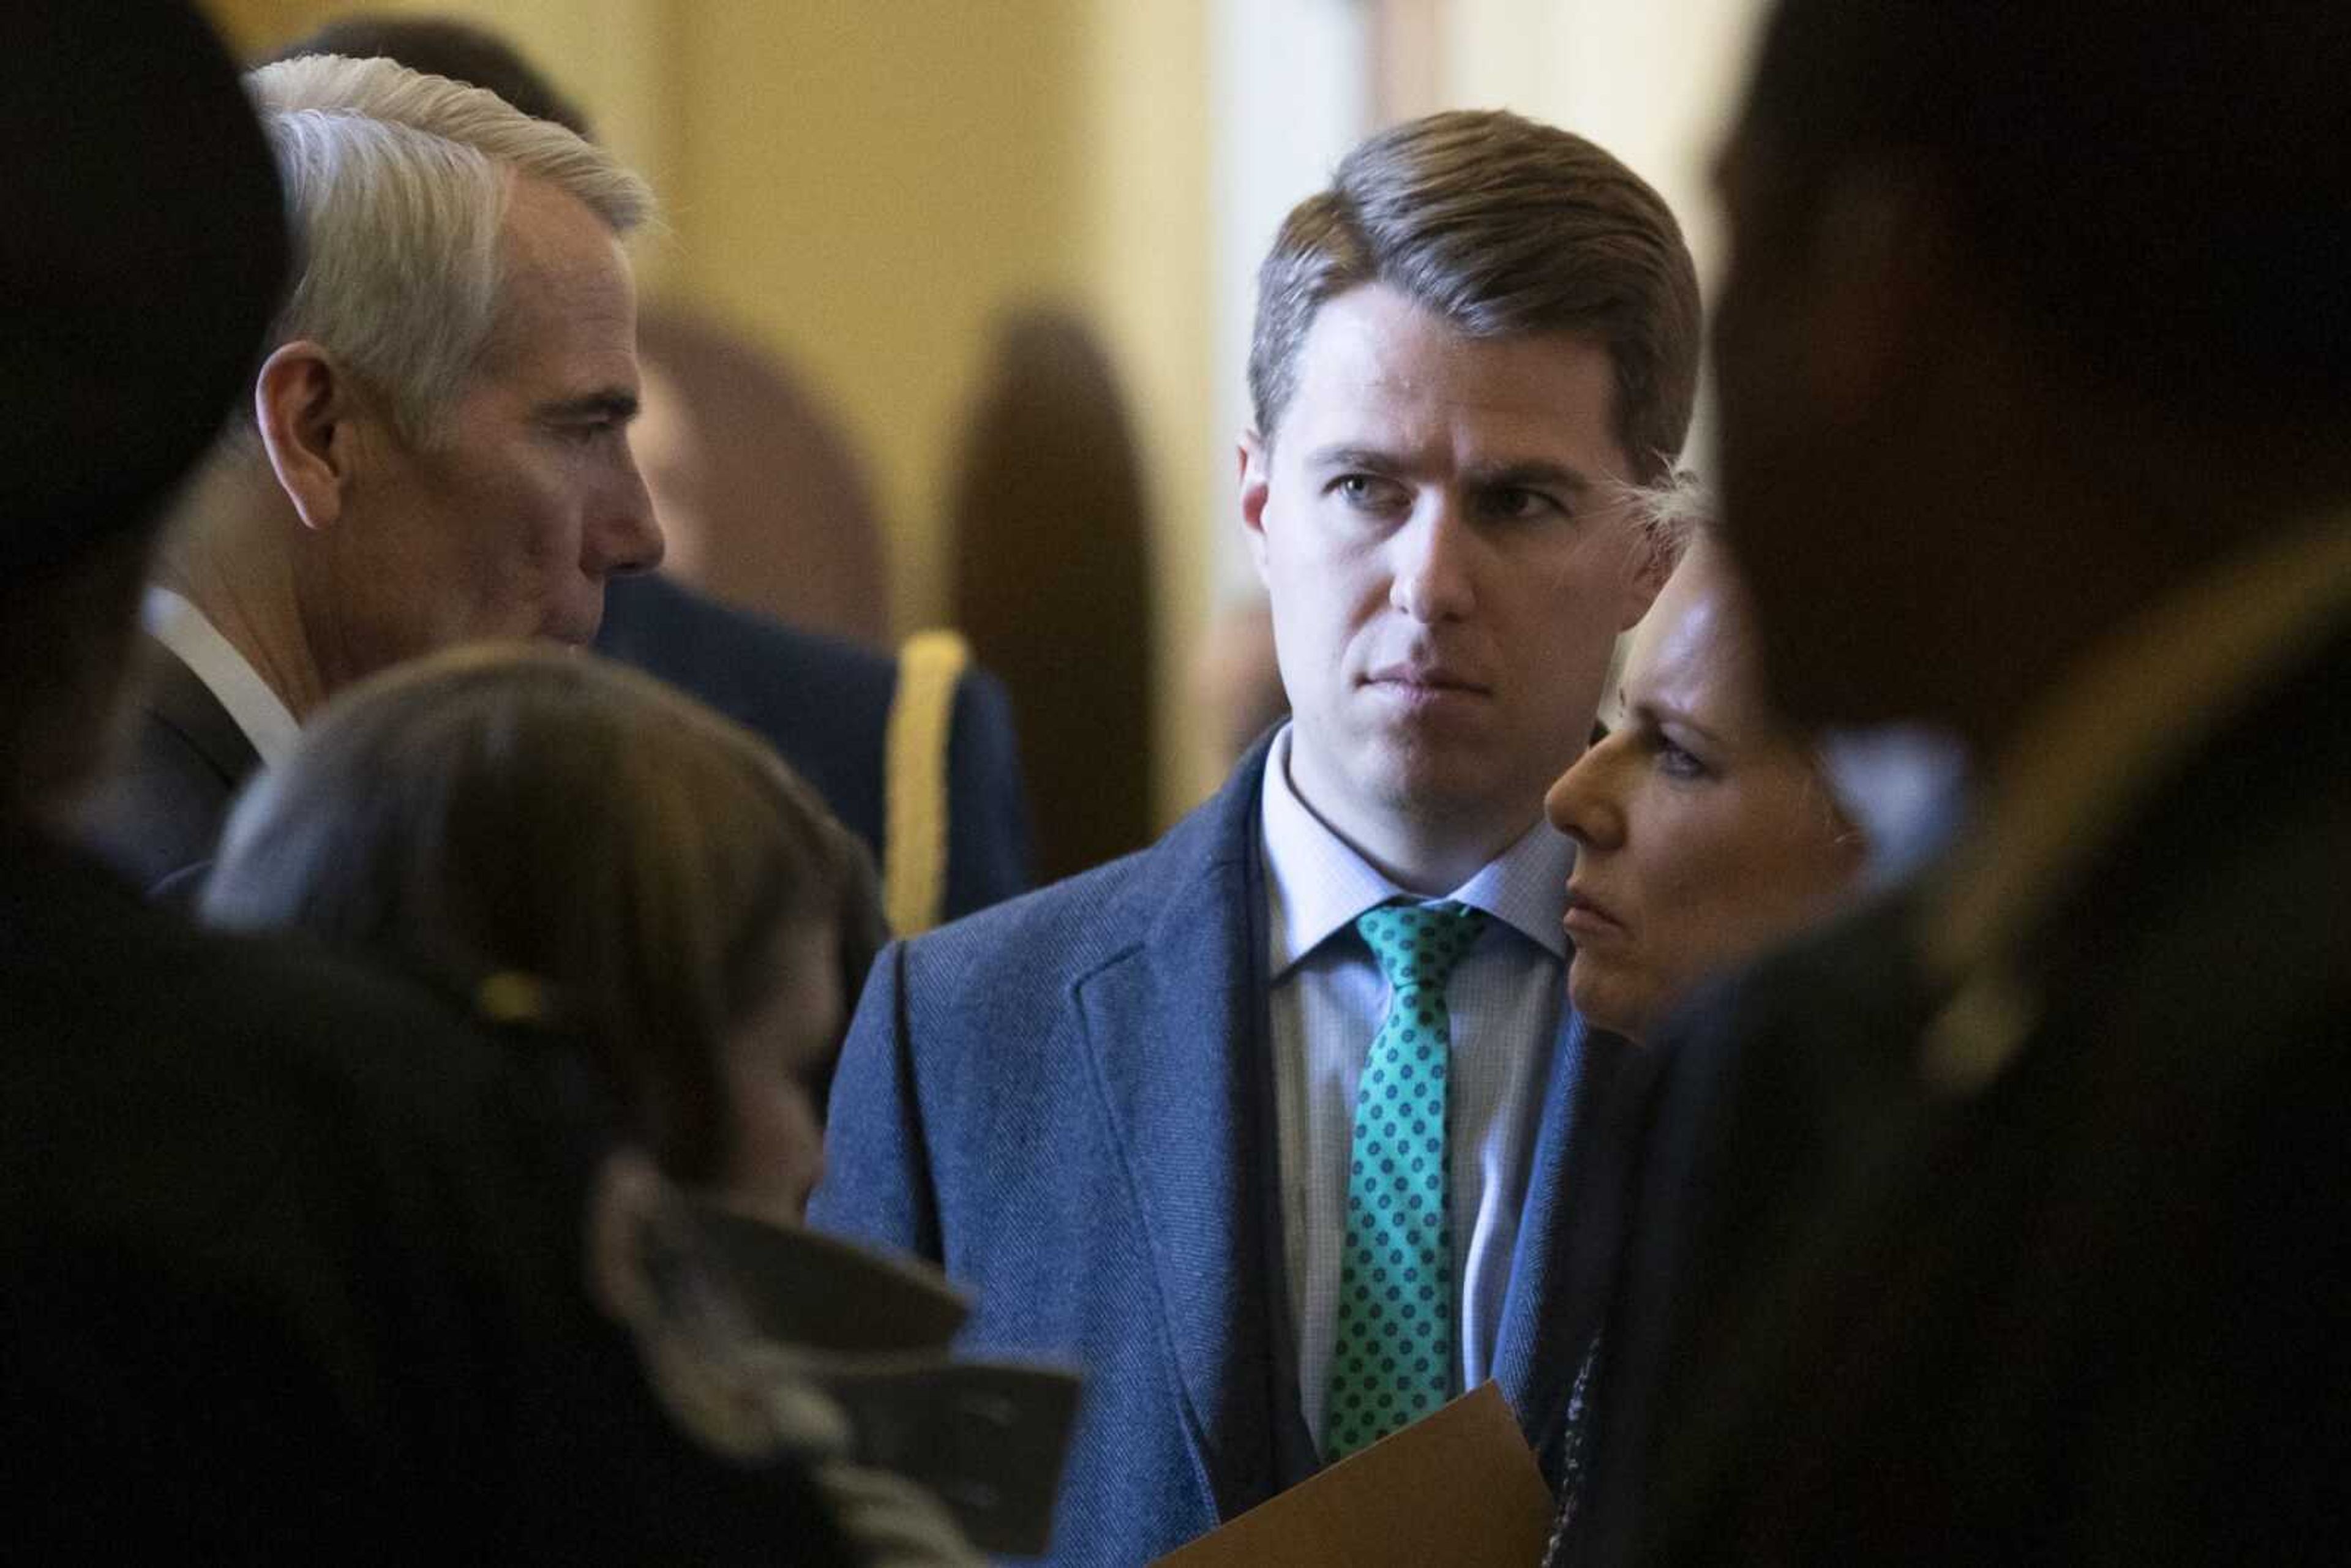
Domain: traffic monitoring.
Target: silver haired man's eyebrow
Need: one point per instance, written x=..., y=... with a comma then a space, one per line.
x=613, y=403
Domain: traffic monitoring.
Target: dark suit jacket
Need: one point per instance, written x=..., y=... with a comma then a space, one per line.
x=156, y=817
x=290, y=1269
x=1067, y=1101
x=824, y=704
x=2096, y=1312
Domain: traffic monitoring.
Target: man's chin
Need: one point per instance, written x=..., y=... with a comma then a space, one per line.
x=1410, y=764
x=573, y=635
x=1423, y=776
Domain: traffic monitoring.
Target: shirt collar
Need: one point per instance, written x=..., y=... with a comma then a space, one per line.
x=1318, y=884
x=258, y=711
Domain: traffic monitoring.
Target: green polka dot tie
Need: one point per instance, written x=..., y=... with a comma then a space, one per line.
x=1392, y=1359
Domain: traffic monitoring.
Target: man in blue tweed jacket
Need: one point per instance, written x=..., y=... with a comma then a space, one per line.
x=1122, y=1110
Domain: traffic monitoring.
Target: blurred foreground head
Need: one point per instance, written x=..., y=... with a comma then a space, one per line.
x=557, y=840
x=144, y=251
x=2033, y=313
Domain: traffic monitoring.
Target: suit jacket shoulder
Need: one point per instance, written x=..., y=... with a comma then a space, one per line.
x=1079, y=922
x=977, y=991
x=159, y=811
x=1060, y=1100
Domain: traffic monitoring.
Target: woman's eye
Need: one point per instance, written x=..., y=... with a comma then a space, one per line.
x=1677, y=762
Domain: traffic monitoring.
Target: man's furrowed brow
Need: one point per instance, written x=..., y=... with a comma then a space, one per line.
x=1348, y=456
x=1529, y=474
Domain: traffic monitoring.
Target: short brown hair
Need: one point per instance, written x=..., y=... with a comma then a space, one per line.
x=1504, y=228
x=634, y=857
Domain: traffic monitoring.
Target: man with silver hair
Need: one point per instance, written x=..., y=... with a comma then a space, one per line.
x=434, y=449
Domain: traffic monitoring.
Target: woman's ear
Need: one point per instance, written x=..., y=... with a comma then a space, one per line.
x=303, y=406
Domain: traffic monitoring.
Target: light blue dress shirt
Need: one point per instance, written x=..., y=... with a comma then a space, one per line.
x=1328, y=996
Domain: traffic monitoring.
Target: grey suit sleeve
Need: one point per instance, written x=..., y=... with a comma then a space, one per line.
x=988, y=857
x=877, y=1185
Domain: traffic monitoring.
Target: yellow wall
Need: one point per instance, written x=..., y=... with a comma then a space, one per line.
x=1147, y=281
x=866, y=183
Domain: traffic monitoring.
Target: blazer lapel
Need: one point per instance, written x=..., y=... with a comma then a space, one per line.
x=1553, y=1306
x=1176, y=1029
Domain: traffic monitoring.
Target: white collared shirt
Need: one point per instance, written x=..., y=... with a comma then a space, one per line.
x=1328, y=998
x=259, y=712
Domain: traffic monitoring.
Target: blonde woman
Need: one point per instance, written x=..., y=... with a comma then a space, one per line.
x=1705, y=830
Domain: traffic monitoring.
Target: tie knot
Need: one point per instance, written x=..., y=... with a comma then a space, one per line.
x=1418, y=943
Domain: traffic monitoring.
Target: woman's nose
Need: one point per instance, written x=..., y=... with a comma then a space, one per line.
x=1585, y=803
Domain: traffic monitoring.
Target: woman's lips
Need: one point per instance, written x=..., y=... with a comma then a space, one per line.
x=1587, y=918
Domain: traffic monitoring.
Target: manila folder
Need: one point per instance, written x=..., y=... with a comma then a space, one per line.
x=1459, y=1487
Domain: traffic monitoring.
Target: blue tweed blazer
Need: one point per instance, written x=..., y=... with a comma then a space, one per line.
x=1066, y=1101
